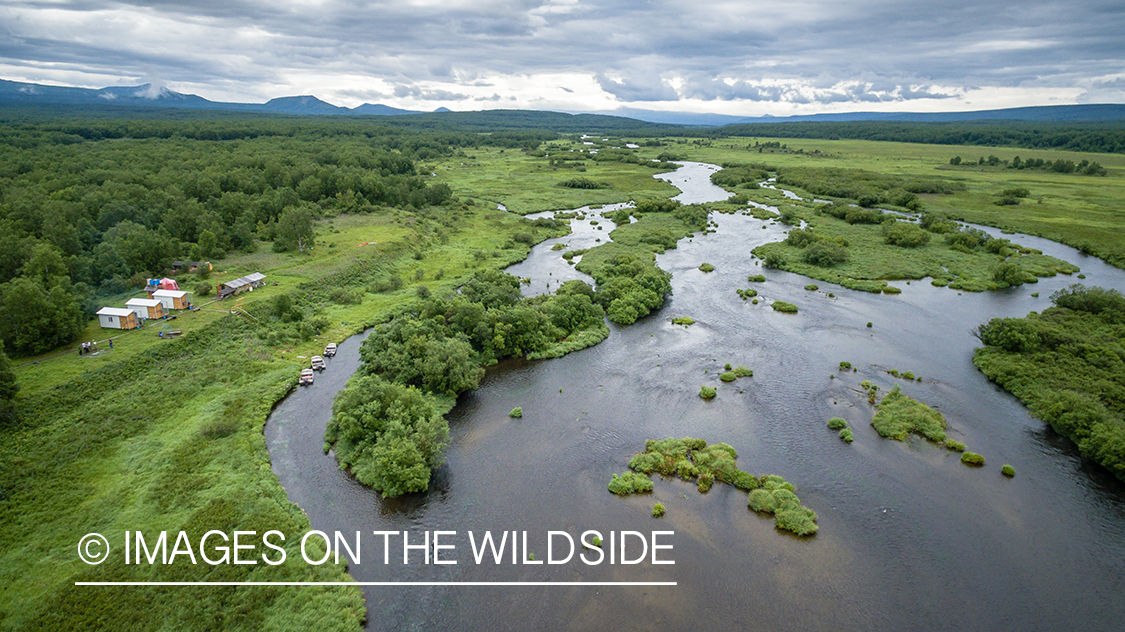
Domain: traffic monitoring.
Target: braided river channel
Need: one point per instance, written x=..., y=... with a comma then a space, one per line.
x=909, y=539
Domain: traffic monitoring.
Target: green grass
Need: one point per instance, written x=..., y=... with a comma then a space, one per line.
x=707, y=392
x=1008, y=470
x=516, y=412
x=706, y=267
x=782, y=306
x=686, y=321
x=846, y=435
x=658, y=510
x=167, y=434
x=524, y=183
x=837, y=423
x=972, y=458
x=776, y=496
x=900, y=415
x=1082, y=211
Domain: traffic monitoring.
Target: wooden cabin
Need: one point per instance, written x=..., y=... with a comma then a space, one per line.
x=241, y=284
x=173, y=299
x=146, y=307
x=118, y=318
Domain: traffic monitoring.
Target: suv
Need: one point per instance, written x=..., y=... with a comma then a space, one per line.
x=306, y=377
x=330, y=350
x=318, y=363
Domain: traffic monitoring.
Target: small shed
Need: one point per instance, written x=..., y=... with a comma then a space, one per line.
x=147, y=307
x=118, y=318
x=173, y=299
x=241, y=284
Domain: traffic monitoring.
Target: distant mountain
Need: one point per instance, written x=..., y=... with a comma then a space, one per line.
x=148, y=96
x=1092, y=112
x=624, y=118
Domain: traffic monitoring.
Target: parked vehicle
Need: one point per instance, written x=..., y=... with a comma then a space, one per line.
x=330, y=350
x=306, y=377
x=318, y=363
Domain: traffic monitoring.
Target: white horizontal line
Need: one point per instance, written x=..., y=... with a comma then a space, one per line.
x=375, y=583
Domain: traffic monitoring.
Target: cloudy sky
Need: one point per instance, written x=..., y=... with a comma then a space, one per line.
x=743, y=58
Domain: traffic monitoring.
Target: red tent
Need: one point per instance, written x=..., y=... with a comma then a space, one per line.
x=168, y=284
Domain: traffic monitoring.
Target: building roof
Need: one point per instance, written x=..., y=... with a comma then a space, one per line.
x=143, y=302
x=115, y=311
x=246, y=280
x=170, y=293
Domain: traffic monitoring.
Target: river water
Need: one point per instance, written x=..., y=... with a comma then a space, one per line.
x=909, y=537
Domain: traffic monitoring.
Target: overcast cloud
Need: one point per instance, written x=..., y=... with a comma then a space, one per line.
x=747, y=58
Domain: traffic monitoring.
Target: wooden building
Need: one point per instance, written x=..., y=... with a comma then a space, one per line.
x=241, y=284
x=146, y=307
x=173, y=299
x=118, y=318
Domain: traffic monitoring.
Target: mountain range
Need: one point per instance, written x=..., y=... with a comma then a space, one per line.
x=147, y=95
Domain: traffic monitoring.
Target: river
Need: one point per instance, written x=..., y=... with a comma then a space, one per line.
x=909, y=537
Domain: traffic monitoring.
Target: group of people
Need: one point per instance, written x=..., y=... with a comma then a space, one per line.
x=86, y=348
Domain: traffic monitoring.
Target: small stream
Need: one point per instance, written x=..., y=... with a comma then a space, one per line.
x=909, y=537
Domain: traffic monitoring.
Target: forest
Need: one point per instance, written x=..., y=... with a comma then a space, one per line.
x=91, y=207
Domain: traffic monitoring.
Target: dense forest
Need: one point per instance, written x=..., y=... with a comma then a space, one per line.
x=93, y=206
x=1091, y=137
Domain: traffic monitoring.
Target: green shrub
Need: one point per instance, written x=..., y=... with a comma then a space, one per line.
x=846, y=435
x=900, y=415
x=630, y=483
x=812, y=287
x=741, y=371
x=845, y=366
x=824, y=254
x=782, y=306
x=756, y=278
x=683, y=320
x=706, y=267
x=905, y=234
x=955, y=446
x=837, y=423
x=1008, y=471
x=658, y=510
x=972, y=458
x=729, y=376
x=890, y=289
x=706, y=392
x=516, y=413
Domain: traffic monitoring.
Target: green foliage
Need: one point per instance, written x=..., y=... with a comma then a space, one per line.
x=689, y=459
x=8, y=388
x=846, y=435
x=775, y=496
x=728, y=376
x=658, y=510
x=746, y=294
x=741, y=371
x=954, y=446
x=686, y=321
x=900, y=415
x=972, y=458
x=837, y=423
x=845, y=366
x=782, y=306
x=35, y=317
x=390, y=436
x=1067, y=364
x=707, y=392
x=905, y=234
x=583, y=183
x=1008, y=470
x=812, y=287
x=630, y=483
x=516, y=412
x=706, y=267
x=756, y=278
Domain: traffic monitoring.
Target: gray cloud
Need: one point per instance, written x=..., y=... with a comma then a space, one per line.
x=823, y=52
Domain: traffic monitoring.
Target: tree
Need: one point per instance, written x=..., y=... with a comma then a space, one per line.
x=34, y=319
x=294, y=229
x=8, y=387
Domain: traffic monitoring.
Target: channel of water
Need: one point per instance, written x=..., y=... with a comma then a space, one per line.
x=909, y=537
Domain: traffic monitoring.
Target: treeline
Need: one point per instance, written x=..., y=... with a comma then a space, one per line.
x=1084, y=167
x=1088, y=137
x=1067, y=365
x=90, y=207
x=387, y=425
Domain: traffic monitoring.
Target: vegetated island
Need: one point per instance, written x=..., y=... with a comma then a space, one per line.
x=900, y=415
x=861, y=247
x=387, y=424
x=1067, y=365
x=693, y=459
